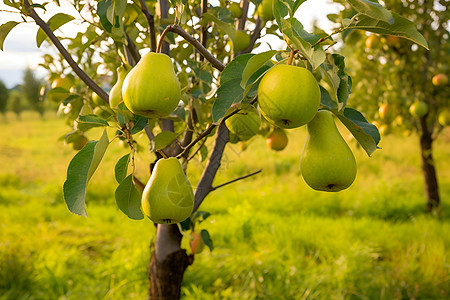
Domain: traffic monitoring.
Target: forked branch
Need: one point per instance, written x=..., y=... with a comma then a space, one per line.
x=83, y=76
x=203, y=51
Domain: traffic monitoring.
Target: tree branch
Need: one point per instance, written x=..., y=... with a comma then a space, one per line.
x=204, y=35
x=180, y=31
x=83, y=76
x=151, y=25
x=234, y=180
x=241, y=22
x=204, y=186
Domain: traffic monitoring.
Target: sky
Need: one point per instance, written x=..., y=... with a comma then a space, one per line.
x=20, y=50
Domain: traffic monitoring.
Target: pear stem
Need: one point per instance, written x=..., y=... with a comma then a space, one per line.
x=291, y=57
x=162, y=153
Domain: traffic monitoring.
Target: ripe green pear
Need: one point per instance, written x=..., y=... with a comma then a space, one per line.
x=327, y=163
x=265, y=10
x=130, y=15
x=151, y=88
x=62, y=82
x=444, y=117
x=418, y=109
x=277, y=140
x=242, y=41
x=97, y=100
x=196, y=243
x=288, y=96
x=235, y=9
x=115, y=95
x=440, y=79
x=244, y=124
x=168, y=197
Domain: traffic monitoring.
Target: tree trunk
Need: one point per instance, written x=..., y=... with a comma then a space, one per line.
x=168, y=261
x=167, y=264
x=428, y=169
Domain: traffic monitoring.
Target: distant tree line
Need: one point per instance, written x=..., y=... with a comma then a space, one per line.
x=26, y=96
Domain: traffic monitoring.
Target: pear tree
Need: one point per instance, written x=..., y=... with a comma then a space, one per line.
x=402, y=86
x=183, y=73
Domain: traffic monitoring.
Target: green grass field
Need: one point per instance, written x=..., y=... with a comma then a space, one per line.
x=274, y=237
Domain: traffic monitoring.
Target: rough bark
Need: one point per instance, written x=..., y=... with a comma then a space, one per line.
x=167, y=264
x=428, y=169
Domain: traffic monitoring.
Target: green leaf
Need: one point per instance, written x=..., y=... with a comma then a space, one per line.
x=80, y=171
x=128, y=199
x=4, y=31
x=402, y=27
x=206, y=239
x=54, y=23
x=139, y=123
x=102, y=8
x=90, y=121
x=230, y=90
x=226, y=27
x=365, y=133
x=203, y=153
x=372, y=9
x=121, y=169
x=164, y=139
x=200, y=216
x=326, y=100
x=74, y=188
x=315, y=56
x=100, y=150
x=228, y=93
x=254, y=63
x=222, y=14
x=235, y=68
x=335, y=76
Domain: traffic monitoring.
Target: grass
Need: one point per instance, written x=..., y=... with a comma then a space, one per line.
x=274, y=237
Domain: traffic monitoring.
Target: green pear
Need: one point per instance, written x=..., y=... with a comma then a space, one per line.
x=265, y=10
x=444, y=117
x=115, y=95
x=327, y=163
x=235, y=9
x=197, y=245
x=62, y=82
x=151, y=88
x=168, y=197
x=288, y=96
x=97, y=99
x=242, y=41
x=244, y=124
x=418, y=109
x=277, y=140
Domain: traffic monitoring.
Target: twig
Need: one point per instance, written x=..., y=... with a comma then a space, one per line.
x=151, y=25
x=234, y=180
x=327, y=37
x=83, y=76
x=197, y=139
x=196, y=151
x=180, y=31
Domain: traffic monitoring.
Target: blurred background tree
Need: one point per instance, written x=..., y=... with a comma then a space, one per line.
x=15, y=102
x=4, y=94
x=31, y=91
x=393, y=73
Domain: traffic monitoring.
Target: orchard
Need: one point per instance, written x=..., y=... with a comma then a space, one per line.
x=185, y=73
